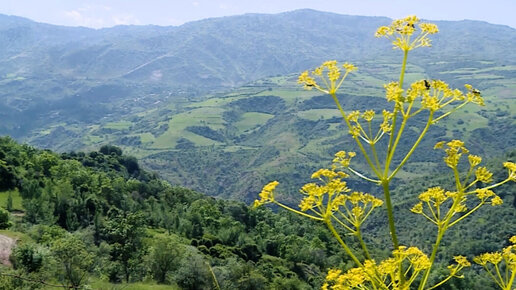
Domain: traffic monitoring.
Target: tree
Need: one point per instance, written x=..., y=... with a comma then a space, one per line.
x=124, y=231
x=75, y=261
x=164, y=257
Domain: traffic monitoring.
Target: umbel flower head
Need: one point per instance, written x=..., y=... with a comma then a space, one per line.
x=330, y=75
x=267, y=194
x=401, y=32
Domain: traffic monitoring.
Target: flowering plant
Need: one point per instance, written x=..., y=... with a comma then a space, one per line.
x=331, y=201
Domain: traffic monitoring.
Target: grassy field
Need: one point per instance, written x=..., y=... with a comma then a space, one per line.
x=17, y=200
x=122, y=125
x=251, y=120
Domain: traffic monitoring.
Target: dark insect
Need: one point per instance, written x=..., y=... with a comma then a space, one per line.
x=475, y=92
x=427, y=84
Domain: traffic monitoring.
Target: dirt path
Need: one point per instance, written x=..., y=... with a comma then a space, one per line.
x=6, y=246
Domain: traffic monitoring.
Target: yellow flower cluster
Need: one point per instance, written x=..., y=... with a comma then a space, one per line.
x=435, y=197
x=474, y=96
x=434, y=94
x=343, y=158
x=483, y=175
x=493, y=264
x=385, y=274
x=462, y=262
x=511, y=167
x=353, y=278
x=493, y=258
x=386, y=125
x=400, y=32
x=393, y=92
x=267, y=194
x=330, y=75
x=453, y=152
x=333, y=192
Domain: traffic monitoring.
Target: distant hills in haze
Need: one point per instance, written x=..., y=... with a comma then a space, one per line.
x=194, y=97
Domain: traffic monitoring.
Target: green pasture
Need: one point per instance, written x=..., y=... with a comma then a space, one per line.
x=204, y=116
x=251, y=120
x=122, y=125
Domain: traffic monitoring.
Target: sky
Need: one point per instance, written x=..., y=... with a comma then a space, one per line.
x=108, y=13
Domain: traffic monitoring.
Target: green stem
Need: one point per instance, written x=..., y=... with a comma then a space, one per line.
x=440, y=235
x=499, y=275
x=364, y=247
x=363, y=176
x=298, y=212
x=395, y=112
x=342, y=243
x=423, y=133
x=493, y=277
x=390, y=214
x=509, y=284
x=375, y=155
x=440, y=283
x=467, y=214
x=442, y=227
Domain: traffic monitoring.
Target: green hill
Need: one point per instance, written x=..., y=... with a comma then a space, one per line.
x=213, y=104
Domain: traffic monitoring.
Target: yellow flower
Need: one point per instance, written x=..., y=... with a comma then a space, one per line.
x=430, y=102
x=332, y=79
x=439, y=145
x=513, y=239
x=429, y=27
x=383, y=31
x=324, y=173
x=496, y=201
x=333, y=274
x=368, y=115
x=343, y=159
x=462, y=261
x=483, y=193
x=267, y=194
x=435, y=193
x=483, y=175
x=418, y=208
x=306, y=80
x=474, y=160
x=387, y=117
x=393, y=91
x=353, y=116
x=308, y=202
x=349, y=67
x=401, y=30
x=512, y=170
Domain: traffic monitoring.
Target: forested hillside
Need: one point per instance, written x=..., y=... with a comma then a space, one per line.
x=110, y=221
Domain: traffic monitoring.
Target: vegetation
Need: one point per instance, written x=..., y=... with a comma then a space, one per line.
x=96, y=217
x=100, y=220
x=333, y=203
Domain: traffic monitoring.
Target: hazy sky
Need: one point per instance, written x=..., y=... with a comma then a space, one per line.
x=106, y=13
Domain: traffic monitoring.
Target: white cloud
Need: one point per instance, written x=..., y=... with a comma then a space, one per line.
x=81, y=19
x=98, y=16
x=126, y=19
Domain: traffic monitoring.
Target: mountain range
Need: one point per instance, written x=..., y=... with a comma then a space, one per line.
x=213, y=104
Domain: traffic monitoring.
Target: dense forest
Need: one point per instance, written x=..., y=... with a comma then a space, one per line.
x=99, y=220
